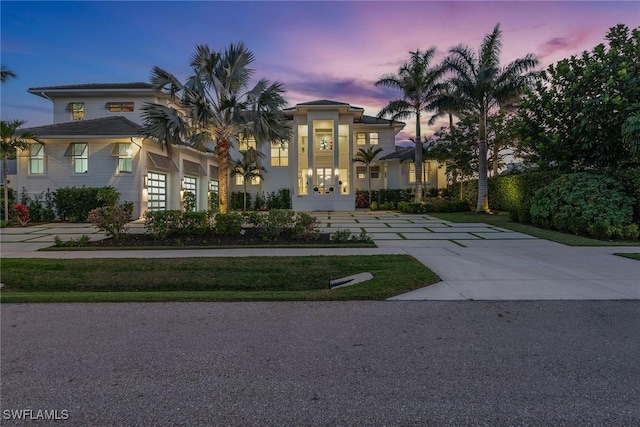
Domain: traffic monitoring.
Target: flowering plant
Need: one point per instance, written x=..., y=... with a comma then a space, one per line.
x=23, y=213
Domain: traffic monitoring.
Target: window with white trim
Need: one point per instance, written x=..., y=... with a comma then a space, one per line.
x=77, y=110
x=244, y=143
x=375, y=172
x=374, y=138
x=36, y=159
x=280, y=154
x=124, y=153
x=361, y=172
x=79, y=153
x=361, y=138
x=156, y=191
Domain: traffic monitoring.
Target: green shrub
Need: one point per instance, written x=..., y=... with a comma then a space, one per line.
x=382, y=196
x=306, y=227
x=434, y=206
x=108, y=196
x=388, y=206
x=279, y=200
x=214, y=202
x=194, y=223
x=276, y=222
x=74, y=203
x=261, y=202
x=227, y=224
x=41, y=206
x=374, y=206
x=582, y=203
x=340, y=236
x=237, y=201
x=113, y=220
x=630, y=179
x=189, y=201
x=161, y=224
x=71, y=243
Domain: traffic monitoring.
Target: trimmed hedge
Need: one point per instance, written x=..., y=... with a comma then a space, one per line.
x=74, y=203
x=584, y=203
x=434, y=206
x=389, y=198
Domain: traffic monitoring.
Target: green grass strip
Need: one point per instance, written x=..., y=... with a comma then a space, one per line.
x=630, y=256
x=501, y=219
x=209, y=279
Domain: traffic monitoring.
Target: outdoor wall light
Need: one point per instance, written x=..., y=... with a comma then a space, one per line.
x=337, y=172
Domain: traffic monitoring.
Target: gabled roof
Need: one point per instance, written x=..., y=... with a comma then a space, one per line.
x=105, y=126
x=403, y=153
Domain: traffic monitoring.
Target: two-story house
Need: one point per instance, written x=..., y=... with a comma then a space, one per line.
x=95, y=141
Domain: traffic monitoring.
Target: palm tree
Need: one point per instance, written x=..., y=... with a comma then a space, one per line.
x=11, y=142
x=420, y=86
x=215, y=104
x=480, y=85
x=6, y=73
x=248, y=167
x=366, y=156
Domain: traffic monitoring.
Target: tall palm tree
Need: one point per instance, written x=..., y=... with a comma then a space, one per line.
x=367, y=156
x=248, y=166
x=480, y=85
x=10, y=142
x=420, y=86
x=6, y=73
x=214, y=105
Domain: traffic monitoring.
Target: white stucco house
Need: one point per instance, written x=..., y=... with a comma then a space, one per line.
x=94, y=141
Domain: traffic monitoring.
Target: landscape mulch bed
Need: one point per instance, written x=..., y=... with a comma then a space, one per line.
x=249, y=237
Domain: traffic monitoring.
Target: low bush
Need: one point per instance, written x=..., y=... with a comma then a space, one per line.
x=276, y=223
x=74, y=203
x=306, y=227
x=22, y=213
x=194, y=223
x=71, y=243
x=434, y=206
x=583, y=203
x=227, y=224
x=161, y=224
x=387, y=196
x=113, y=220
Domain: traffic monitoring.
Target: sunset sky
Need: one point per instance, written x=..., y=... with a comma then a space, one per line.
x=319, y=50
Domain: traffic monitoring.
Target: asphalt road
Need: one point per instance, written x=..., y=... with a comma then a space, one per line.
x=335, y=363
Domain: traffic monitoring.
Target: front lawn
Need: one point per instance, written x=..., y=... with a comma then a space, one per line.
x=209, y=279
x=501, y=219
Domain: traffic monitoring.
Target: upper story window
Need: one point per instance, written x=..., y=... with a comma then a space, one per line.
x=244, y=143
x=77, y=110
x=374, y=138
x=124, y=153
x=120, y=107
x=375, y=172
x=361, y=138
x=36, y=159
x=280, y=154
x=324, y=140
x=79, y=153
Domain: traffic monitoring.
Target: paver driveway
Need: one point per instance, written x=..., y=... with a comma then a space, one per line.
x=475, y=261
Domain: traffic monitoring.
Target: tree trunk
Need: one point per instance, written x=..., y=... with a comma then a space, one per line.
x=369, y=175
x=223, y=172
x=495, y=159
x=244, y=194
x=483, y=191
x=418, y=159
x=5, y=186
